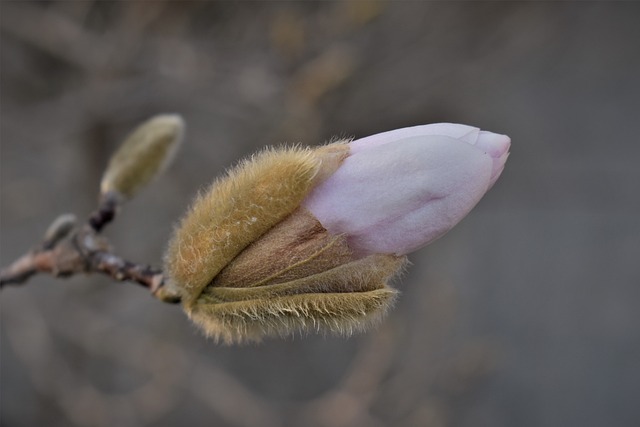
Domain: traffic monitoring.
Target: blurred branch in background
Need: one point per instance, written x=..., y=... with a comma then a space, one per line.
x=158, y=373
x=390, y=380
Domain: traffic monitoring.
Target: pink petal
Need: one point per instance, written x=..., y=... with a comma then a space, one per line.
x=463, y=132
x=400, y=190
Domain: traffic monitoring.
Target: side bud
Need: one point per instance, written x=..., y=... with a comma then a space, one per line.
x=144, y=154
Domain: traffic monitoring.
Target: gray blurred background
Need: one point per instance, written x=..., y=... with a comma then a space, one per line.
x=526, y=314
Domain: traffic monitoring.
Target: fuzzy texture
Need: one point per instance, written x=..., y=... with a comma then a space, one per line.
x=145, y=153
x=296, y=278
x=238, y=209
x=343, y=300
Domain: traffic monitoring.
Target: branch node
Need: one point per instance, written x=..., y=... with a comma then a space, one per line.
x=105, y=213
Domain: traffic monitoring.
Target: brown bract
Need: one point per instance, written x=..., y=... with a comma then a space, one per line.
x=296, y=277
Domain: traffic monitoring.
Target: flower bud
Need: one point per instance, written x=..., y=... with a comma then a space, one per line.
x=142, y=156
x=308, y=239
x=400, y=190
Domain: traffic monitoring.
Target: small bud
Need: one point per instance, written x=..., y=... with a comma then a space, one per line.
x=307, y=240
x=145, y=154
x=59, y=229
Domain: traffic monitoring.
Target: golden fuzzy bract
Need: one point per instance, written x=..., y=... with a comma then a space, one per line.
x=248, y=261
x=235, y=211
x=342, y=300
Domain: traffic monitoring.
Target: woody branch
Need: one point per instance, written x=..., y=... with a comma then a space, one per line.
x=68, y=248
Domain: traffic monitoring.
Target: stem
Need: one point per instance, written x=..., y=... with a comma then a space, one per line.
x=123, y=270
x=105, y=213
x=83, y=250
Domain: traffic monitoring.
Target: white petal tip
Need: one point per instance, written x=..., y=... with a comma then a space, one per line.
x=493, y=144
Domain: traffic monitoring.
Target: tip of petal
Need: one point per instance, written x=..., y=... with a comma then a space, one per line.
x=493, y=144
x=497, y=147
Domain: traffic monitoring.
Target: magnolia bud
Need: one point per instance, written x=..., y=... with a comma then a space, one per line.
x=145, y=153
x=308, y=239
x=401, y=190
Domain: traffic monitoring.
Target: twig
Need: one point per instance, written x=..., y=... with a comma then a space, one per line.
x=68, y=250
x=105, y=213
